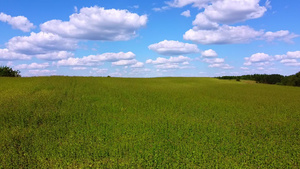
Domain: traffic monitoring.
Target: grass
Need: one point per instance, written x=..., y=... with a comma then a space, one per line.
x=82, y=122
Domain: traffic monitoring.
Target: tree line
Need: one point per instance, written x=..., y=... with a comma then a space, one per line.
x=6, y=71
x=292, y=80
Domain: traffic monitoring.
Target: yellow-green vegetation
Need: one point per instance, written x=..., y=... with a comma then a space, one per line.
x=79, y=122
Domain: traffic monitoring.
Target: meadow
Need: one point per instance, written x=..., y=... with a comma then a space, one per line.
x=99, y=122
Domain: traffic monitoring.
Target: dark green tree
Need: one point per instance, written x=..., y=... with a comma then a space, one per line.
x=6, y=71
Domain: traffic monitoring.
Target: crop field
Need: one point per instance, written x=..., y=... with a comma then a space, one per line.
x=99, y=122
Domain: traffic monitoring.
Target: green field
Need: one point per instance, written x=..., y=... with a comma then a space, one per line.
x=81, y=122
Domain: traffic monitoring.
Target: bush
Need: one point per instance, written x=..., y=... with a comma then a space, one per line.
x=6, y=71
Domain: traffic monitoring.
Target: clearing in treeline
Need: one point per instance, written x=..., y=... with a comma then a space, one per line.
x=79, y=122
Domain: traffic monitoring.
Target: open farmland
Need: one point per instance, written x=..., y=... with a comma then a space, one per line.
x=51, y=122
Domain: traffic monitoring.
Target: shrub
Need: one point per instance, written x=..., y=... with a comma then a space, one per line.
x=6, y=71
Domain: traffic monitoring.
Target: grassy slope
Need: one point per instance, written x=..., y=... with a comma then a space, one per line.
x=142, y=123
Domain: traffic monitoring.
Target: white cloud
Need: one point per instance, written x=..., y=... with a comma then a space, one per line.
x=268, y=4
x=96, y=59
x=124, y=62
x=42, y=72
x=138, y=65
x=32, y=66
x=233, y=11
x=179, y=62
x=75, y=9
x=282, y=35
x=97, y=71
x=79, y=68
x=6, y=54
x=97, y=23
x=260, y=68
x=288, y=61
x=209, y=53
x=160, y=60
x=207, y=28
x=161, y=9
x=40, y=43
x=295, y=55
x=201, y=22
x=262, y=60
x=259, y=57
x=244, y=68
x=214, y=60
x=18, y=22
x=293, y=64
x=280, y=57
x=223, y=35
x=186, y=13
x=170, y=47
x=235, y=34
x=181, y=3
x=220, y=65
x=55, y=55
x=168, y=66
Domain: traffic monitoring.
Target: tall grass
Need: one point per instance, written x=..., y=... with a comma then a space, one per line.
x=75, y=122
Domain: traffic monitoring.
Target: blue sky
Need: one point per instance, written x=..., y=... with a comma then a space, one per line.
x=134, y=38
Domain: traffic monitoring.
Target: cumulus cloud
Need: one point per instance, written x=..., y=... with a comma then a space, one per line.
x=220, y=65
x=138, y=65
x=186, y=13
x=244, y=68
x=282, y=35
x=18, y=22
x=289, y=59
x=170, y=47
x=211, y=25
x=92, y=60
x=55, y=55
x=97, y=71
x=32, y=66
x=225, y=11
x=181, y=3
x=215, y=60
x=258, y=57
x=295, y=54
x=97, y=23
x=179, y=62
x=40, y=43
x=79, y=68
x=201, y=22
x=160, y=60
x=42, y=72
x=223, y=35
x=209, y=53
x=124, y=62
x=263, y=59
x=6, y=54
x=46, y=46
x=233, y=11
x=234, y=35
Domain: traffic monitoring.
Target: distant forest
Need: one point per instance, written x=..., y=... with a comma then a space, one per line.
x=292, y=80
